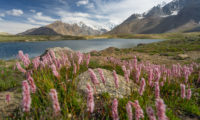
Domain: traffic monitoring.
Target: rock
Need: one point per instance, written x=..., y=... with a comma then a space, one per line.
x=182, y=56
x=59, y=51
x=164, y=54
x=109, y=87
x=141, y=44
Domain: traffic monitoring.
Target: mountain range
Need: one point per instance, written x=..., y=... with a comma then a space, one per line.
x=60, y=28
x=176, y=16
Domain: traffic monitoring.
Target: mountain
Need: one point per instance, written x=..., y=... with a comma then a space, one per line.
x=60, y=28
x=176, y=16
x=4, y=33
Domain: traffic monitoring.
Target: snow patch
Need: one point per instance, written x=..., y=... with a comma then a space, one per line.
x=175, y=12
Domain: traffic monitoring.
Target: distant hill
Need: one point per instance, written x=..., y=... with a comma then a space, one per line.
x=60, y=28
x=176, y=16
x=4, y=33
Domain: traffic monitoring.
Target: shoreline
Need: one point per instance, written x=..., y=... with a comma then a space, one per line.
x=38, y=38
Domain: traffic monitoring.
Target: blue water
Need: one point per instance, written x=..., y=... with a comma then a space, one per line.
x=9, y=50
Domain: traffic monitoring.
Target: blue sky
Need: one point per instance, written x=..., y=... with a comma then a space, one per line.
x=19, y=15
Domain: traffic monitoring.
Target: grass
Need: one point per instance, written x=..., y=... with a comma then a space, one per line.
x=32, y=38
x=73, y=103
x=9, y=78
x=27, y=38
x=172, y=47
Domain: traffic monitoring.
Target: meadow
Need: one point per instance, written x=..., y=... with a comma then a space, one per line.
x=49, y=85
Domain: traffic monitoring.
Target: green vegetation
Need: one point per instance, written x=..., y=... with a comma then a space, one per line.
x=73, y=104
x=32, y=38
x=27, y=38
x=9, y=78
x=173, y=46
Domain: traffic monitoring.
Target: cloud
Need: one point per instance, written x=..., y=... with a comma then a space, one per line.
x=15, y=27
x=82, y=2
x=85, y=3
x=89, y=19
x=117, y=12
x=33, y=11
x=15, y=12
x=41, y=17
x=35, y=22
x=2, y=15
x=62, y=1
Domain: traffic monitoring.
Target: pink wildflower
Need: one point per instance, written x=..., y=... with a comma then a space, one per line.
x=93, y=77
x=54, y=70
x=24, y=58
x=142, y=86
x=75, y=68
x=138, y=110
x=189, y=94
x=36, y=62
x=116, y=80
x=135, y=62
x=182, y=90
x=114, y=110
x=101, y=75
x=150, y=113
x=55, y=103
x=150, y=77
x=158, y=74
x=20, y=68
x=124, y=68
x=88, y=60
x=160, y=107
x=138, y=72
x=80, y=57
x=157, y=90
x=7, y=98
x=26, y=101
x=129, y=110
x=32, y=84
x=90, y=99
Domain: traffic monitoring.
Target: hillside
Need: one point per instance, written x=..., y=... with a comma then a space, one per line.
x=176, y=16
x=60, y=28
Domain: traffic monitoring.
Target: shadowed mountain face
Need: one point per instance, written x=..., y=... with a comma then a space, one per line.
x=39, y=31
x=59, y=28
x=176, y=16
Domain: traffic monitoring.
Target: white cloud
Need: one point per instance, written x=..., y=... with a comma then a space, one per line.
x=41, y=17
x=15, y=12
x=32, y=21
x=117, y=12
x=82, y=2
x=33, y=11
x=2, y=15
x=86, y=18
x=15, y=27
x=62, y=1
x=85, y=3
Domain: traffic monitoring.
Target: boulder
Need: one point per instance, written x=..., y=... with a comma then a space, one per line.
x=59, y=51
x=109, y=87
x=182, y=56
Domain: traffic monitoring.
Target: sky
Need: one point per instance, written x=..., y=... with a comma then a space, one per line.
x=19, y=15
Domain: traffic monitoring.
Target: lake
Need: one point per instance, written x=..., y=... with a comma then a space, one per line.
x=9, y=50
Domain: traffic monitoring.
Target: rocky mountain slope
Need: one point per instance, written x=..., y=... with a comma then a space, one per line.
x=176, y=16
x=60, y=28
